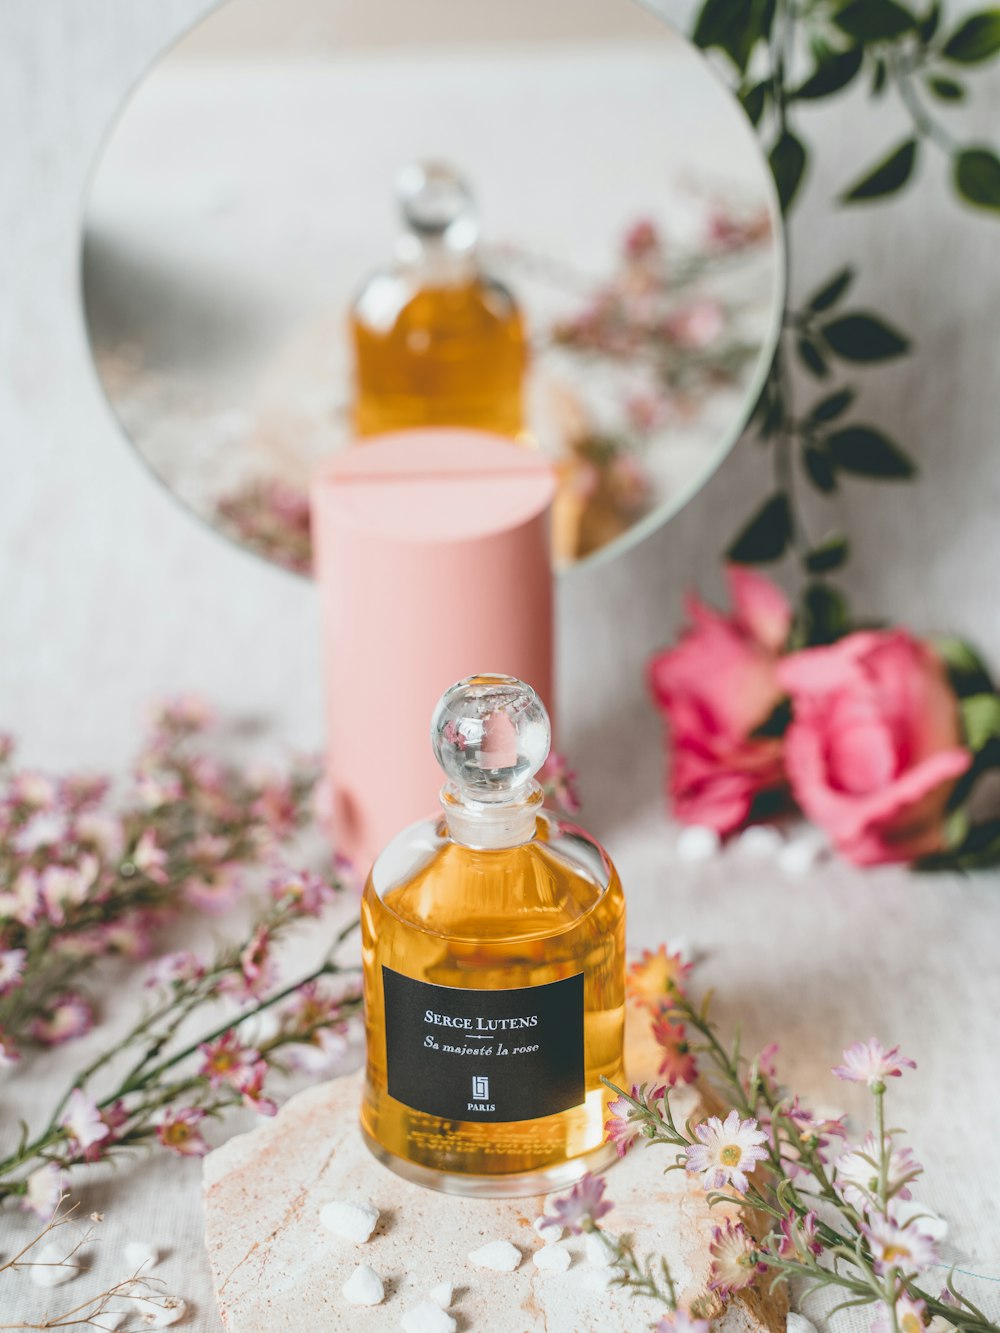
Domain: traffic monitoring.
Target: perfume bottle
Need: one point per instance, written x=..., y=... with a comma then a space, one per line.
x=437, y=342
x=494, y=963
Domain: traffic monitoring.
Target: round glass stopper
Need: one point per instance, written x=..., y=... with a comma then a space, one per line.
x=491, y=735
x=436, y=201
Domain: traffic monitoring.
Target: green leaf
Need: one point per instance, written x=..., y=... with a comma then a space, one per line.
x=888, y=177
x=825, y=613
x=976, y=39
x=734, y=26
x=754, y=101
x=946, y=90
x=832, y=292
x=767, y=534
x=864, y=337
x=929, y=25
x=981, y=718
x=880, y=74
x=829, y=554
x=812, y=357
x=874, y=20
x=835, y=71
x=820, y=468
x=866, y=452
x=788, y=163
x=828, y=408
x=977, y=177
x=966, y=670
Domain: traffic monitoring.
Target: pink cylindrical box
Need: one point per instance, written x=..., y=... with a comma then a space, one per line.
x=431, y=552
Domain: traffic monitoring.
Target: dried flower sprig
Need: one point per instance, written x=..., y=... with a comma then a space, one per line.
x=171, y=1085
x=841, y=1217
x=82, y=877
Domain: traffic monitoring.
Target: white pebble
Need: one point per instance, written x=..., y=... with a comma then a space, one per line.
x=600, y=1279
x=798, y=1323
x=353, y=1221
x=550, y=1234
x=499, y=1255
x=552, y=1258
x=140, y=1254
x=798, y=856
x=427, y=1318
x=443, y=1294
x=698, y=843
x=50, y=1269
x=760, y=842
x=159, y=1311
x=600, y=1249
x=364, y=1287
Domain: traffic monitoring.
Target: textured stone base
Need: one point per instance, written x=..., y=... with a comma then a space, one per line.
x=276, y=1270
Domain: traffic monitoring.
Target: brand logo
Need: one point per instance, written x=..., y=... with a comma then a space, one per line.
x=480, y=1088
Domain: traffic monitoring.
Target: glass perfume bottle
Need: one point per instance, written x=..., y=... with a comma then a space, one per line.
x=494, y=962
x=437, y=342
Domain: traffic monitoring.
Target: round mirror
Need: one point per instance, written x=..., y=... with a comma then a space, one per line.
x=306, y=202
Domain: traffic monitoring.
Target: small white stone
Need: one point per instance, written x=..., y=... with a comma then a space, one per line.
x=798, y=856
x=352, y=1221
x=443, y=1294
x=600, y=1279
x=159, y=1311
x=550, y=1234
x=364, y=1287
x=600, y=1249
x=140, y=1254
x=798, y=1323
x=698, y=842
x=499, y=1255
x=552, y=1258
x=760, y=842
x=50, y=1270
x=427, y=1318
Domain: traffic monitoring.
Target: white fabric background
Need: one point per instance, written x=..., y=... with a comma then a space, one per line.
x=110, y=594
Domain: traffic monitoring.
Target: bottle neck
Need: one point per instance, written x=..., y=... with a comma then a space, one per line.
x=435, y=260
x=487, y=825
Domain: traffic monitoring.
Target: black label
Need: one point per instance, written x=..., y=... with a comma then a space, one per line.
x=484, y=1054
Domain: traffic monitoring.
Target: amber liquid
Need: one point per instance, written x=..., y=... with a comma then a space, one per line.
x=493, y=920
x=451, y=355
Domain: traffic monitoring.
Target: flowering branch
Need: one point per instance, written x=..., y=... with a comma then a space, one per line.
x=80, y=879
x=172, y=1087
x=776, y=1157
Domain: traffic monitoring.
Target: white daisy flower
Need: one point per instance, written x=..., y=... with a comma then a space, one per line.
x=726, y=1151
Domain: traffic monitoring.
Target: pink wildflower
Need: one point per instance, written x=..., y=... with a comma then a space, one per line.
x=896, y=1246
x=249, y=1081
x=178, y=1130
x=657, y=977
x=32, y=790
x=68, y=1017
x=215, y=891
x=696, y=326
x=11, y=967
x=726, y=1151
x=621, y=1128
x=46, y=1189
x=559, y=781
x=224, y=1059
x=733, y=1266
x=679, y=1321
x=857, y=1177
x=149, y=858
x=909, y=1317
x=256, y=965
x=321, y=1054
x=64, y=887
x=641, y=240
x=83, y=1121
x=307, y=891
x=678, y=1064
x=582, y=1207
x=798, y=1236
x=869, y=1062
x=180, y=966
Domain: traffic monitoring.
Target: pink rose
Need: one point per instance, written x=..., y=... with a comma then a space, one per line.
x=874, y=746
x=716, y=688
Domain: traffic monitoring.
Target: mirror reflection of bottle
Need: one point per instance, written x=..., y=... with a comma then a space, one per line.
x=437, y=342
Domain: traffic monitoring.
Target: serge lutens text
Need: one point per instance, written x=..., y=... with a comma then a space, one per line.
x=481, y=1024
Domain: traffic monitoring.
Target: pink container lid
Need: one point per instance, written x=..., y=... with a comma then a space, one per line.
x=432, y=556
